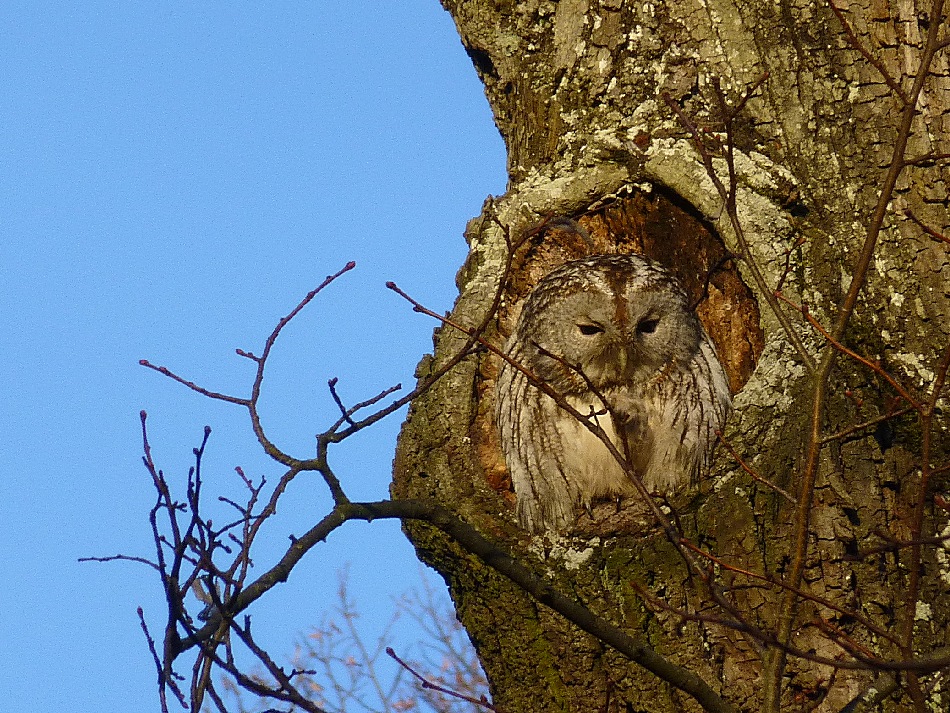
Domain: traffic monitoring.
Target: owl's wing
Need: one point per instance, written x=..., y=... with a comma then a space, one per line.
x=531, y=426
x=686, y=410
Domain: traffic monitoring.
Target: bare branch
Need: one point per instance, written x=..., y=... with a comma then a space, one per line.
x=755, y=476
x=165, y=371
x=728, y=196
x=870, y=58
x=936, y=235
x=426, y=683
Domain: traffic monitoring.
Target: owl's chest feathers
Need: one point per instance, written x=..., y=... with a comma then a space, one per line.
x=648, y=437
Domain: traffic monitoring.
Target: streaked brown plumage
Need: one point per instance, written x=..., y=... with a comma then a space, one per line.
x=614, y=335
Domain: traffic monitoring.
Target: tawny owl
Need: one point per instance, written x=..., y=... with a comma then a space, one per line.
x=615, y=336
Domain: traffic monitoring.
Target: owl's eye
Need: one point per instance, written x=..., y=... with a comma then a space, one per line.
x=590, y=329
x=647, y=326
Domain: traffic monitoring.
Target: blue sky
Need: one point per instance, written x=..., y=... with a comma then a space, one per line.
x=174, y=177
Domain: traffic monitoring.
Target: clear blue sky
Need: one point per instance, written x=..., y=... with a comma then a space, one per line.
x=174, y=177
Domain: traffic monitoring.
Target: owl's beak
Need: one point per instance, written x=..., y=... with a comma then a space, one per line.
x=623, y=358
x=629, y=362
x=619, y=362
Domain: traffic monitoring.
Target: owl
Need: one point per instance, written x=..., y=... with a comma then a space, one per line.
x=614, y=335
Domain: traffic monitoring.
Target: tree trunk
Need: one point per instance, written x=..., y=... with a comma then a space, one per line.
x=603, y=106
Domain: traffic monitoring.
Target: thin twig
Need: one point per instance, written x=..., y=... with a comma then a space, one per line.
x=936, y=235
x=165, y=681
x=426, y=683
x=165, y=371
x=755, y=476
x=870, y=58
x=336, y=397
x=917, y=521
x=262, y=438
x=844, y=433
x=728, y=196
x=841, y=637
x=927, y=159
x=872, y=365
x=124, y=558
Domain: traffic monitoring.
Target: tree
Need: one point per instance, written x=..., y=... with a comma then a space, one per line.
x=796, y=154
x=788, y=161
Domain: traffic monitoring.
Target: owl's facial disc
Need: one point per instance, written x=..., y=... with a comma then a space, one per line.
x=617, y=354
x=661, y=329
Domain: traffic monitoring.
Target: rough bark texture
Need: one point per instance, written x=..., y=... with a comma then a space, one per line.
x=576, y=87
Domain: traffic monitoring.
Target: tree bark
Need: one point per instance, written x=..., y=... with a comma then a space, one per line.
x=600, y=103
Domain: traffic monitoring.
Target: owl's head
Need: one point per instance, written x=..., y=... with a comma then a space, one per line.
x=620, y=319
